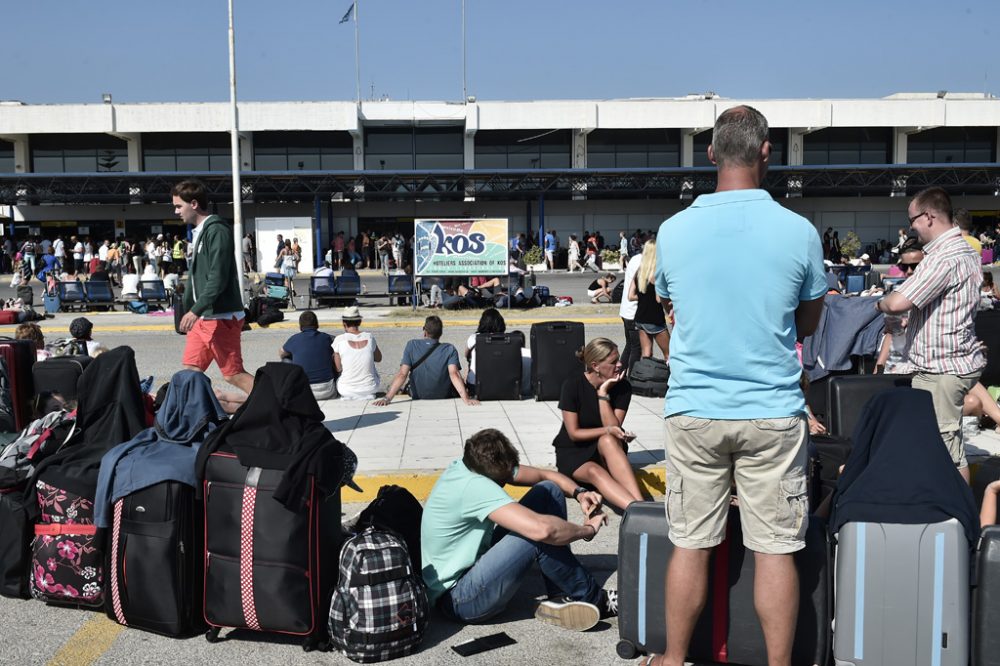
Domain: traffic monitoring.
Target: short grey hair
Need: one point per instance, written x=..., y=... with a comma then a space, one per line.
x=739, y=133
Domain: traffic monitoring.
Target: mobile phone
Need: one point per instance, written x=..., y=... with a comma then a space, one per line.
x=483, y=643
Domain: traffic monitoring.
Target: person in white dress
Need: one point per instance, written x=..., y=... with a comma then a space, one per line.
x=355, y=354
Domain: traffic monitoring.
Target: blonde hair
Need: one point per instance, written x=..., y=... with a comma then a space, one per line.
x=596, y=351
x=647, y=268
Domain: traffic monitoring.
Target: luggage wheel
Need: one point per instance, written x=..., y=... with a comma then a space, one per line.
x=626, y=650
x=212, y=635
x=313, y=643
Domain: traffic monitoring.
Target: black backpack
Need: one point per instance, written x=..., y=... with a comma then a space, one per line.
x=379, y=610
x=396, y=509
x=649, y=377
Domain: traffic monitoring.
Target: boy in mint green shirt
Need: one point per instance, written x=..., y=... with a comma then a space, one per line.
x=477, y=543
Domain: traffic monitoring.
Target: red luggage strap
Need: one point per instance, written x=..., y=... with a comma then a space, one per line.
x=56, y=529
x=246, y=548
x=116, y=599
x=720, y=600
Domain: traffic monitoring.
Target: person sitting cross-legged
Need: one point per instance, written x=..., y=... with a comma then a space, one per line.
x=312, y=349
x=478, y=544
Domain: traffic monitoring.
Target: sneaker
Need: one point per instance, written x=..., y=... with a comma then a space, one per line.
x=568, y=614
x=609, y=604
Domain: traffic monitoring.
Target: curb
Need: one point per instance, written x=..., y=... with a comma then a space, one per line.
x=652, y=481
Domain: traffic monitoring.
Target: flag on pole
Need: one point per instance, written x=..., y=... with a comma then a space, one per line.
x=347, y=15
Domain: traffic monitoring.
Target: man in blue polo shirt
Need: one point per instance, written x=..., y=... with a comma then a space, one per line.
x=313, y=350
x=550, y=249
x=734, y=410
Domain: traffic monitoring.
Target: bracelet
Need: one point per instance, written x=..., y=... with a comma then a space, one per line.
x=591, y=537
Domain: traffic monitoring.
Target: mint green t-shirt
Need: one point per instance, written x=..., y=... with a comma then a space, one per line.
x=455, y=529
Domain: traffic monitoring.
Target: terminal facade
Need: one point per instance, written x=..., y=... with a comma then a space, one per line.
x=565, y=165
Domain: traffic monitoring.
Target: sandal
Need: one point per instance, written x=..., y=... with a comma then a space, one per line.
x=648, y=660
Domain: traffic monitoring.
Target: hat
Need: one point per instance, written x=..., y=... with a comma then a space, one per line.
x=351, y=312
x=827, y=262
x=80, y=328
x=159, y=237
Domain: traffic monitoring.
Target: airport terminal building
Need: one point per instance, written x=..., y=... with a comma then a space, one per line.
x=565, y=165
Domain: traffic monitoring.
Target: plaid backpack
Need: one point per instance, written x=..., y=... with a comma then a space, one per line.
x=379, y=610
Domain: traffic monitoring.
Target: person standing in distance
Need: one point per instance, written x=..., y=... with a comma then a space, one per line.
x=941, y=296
x=734, y=410
x=212, y=299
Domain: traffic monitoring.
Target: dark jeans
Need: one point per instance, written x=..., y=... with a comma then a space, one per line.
x=633, y=350
x=487, y=588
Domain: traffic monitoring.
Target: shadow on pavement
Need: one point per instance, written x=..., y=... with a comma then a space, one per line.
x=362, y=421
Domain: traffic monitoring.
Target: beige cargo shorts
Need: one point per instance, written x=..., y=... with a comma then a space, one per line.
x=767, y=459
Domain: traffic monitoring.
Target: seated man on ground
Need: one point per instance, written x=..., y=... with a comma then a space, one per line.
x=311, y=349
x=355, y=355
x=130, y=284
x=478, y=544
x=592, y=446
x=432, y=367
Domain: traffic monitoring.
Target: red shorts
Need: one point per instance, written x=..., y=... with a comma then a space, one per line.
x=218, y=340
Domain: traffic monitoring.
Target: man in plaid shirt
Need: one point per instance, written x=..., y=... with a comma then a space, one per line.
x=942, y=297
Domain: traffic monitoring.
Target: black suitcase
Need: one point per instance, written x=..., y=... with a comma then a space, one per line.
x=15, y=543
x=984, y=473
x=177, y=304
x=728, y=629
x=27, y=295
x=649, y=377
x=986, y=600
x=847, y=396
x=154, y=561
x=266, y=568
x=20, y=357
x=988, y=331
x=827, y=454
x=60, y=375
x=498, y=365
x=553, y=356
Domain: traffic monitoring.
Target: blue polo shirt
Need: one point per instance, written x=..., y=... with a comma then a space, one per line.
x=550, y=242
x=312, y=350
x=736, y=265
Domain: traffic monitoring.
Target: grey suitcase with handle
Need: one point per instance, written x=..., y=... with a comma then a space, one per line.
x=901, y=595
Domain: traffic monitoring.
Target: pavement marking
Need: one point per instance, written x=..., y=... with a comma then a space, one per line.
x=293, y=325
x=88, y=643
x=652, y=480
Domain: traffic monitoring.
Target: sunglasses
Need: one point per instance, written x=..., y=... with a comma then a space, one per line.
x=908, y=267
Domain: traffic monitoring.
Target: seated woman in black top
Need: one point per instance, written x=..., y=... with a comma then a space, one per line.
x=591, y=446
x=650, y=318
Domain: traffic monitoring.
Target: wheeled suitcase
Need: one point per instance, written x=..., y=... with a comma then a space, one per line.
x=988, y=331
x=266, y=568
x=986, y=600
x=983, y=473
x=154, y=560
x=19, y=356
x=728, y=629
x=177, y=304
x=60, y=375
x=553, y=356
x=15, y=542
x=649, y=377
x=847, y=396
x=826, y=454
x=498, y=365
x=902, y=594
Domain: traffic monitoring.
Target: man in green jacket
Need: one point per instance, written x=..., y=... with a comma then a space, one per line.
x=214, y=318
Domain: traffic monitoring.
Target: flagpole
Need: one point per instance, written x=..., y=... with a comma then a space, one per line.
x=235, y=150
x=465, y=90
x=357, y=53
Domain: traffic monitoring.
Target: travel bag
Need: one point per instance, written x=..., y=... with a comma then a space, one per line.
x=847, y=396
x=177, y=305
x=498, y=365
x=60, y=375
x=270, y=480
x=395, y=509
x=987, y=328
x=728, y=630
x=986, y=600
x=902, y=594
x=553, y=356
x=649, y=377
x=19, y=357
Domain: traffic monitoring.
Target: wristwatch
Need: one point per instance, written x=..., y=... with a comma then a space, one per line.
x=606, y=398
x=579, y=489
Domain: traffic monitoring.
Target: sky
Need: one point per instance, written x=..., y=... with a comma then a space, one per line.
x=72, y=51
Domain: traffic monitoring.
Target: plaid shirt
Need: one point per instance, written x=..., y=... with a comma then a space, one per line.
x=944, y=290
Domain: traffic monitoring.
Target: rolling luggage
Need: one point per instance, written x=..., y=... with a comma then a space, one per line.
x=728, y=629
x=154, y=560
x=983, y=474
x=827, y=454
x=27, y=295
x=988, y=331
x=270, y=480
x=60, y=375
x=902, y=594
x=8, y=317
x=177, y=304
x=986, y=600
x=15, y=543
x=19, y=357
x=847, y=396
x=649, y=377
x=498, y=366
x=553, y=356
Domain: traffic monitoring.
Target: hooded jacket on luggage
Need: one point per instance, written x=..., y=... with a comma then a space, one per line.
x=165, y=452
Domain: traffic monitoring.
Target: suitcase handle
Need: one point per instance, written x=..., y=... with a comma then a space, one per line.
x=55, y=529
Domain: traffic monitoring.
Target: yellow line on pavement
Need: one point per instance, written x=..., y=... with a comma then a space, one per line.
x=88, y=643
x=652, y=481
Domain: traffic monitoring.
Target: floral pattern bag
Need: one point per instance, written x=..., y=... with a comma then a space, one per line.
x=66, y=564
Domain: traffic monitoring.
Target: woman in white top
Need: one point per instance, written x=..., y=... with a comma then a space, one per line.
x=355, y=355
x=573, y=256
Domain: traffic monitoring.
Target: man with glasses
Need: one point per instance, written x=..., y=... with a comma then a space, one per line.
x=911, y=253
x=941, y=297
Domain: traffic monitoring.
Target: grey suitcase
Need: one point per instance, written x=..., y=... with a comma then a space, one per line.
x=901, y=595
